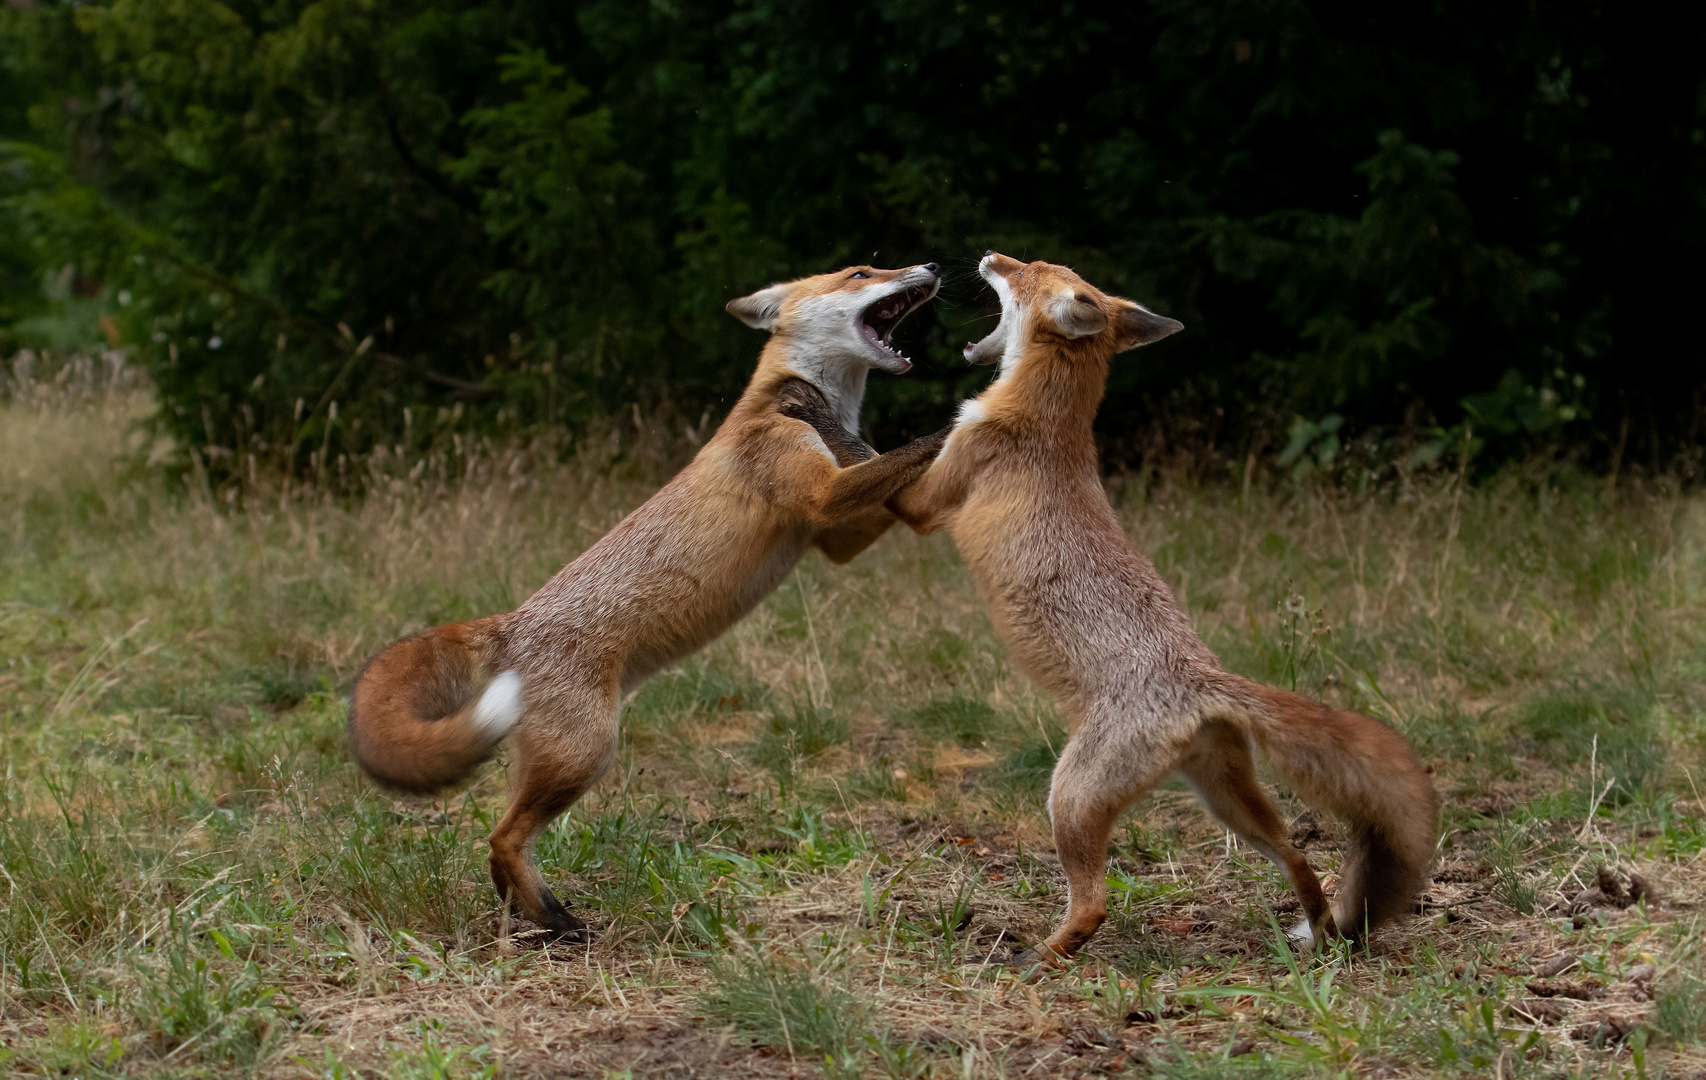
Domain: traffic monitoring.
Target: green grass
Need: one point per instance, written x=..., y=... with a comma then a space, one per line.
x=820, y=827
x=792, y=1002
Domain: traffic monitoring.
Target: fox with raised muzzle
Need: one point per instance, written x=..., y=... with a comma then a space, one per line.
x=785, y=470
x=1086, y=615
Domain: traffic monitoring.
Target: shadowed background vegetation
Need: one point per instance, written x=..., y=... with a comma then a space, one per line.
x=316, y=224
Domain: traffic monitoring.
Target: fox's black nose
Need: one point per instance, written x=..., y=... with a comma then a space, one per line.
x=932, y=267
x=988, y=253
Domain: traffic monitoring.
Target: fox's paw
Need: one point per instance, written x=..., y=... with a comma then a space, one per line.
x=1033, y=963
x=1306, y=936
x=561, y=925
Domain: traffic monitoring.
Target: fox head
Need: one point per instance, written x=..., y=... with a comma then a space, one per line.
x=833, y=328
x=1042, y=302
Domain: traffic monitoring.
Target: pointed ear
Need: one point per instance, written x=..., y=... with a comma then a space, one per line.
x=761, y=309
x=1076, y=314
x=1136, y=325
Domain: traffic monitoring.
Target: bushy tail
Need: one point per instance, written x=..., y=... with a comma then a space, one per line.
x=1364, y=773
x=426, y=710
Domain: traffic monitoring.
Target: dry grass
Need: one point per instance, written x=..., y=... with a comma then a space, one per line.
x=822, y=827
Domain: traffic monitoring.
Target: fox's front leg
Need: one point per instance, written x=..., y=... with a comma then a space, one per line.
x=800, y=400
x=927, y=502
x=829, y=497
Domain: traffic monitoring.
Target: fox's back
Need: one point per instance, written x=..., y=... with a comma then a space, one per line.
x=667, y=579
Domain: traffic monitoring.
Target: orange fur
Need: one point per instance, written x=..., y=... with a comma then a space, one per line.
x=666, y=580
x=1088, y=618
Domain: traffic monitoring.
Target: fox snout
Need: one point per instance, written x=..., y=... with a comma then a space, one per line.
x=994, y=264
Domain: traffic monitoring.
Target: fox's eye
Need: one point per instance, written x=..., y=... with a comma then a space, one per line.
x=1082, y=299
x=858, y=274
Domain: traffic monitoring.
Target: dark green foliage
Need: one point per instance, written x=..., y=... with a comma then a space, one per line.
x=966, y=720
x=309, y=217
x=804, y=731
x=1032, y=762
x=1611, y=730
x=1681, y=1008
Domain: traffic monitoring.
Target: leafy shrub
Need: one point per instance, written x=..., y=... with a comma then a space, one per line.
x=534, y=213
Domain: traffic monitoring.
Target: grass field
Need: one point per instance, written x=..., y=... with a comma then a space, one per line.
x=821, y=828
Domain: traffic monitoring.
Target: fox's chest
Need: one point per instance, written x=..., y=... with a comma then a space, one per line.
x=1022, y=523
x=1060, y=576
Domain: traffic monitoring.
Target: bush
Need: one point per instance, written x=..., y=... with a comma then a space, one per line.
x=317, y=224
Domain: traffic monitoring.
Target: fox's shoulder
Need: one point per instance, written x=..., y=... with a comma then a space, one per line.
x=763, y=440
x=978, y=428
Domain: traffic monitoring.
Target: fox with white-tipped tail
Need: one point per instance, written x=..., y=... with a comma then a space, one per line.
x=666, y=580
x=1087, y=617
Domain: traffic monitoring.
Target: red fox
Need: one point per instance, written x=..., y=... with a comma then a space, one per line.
x=1088, y=617
x=667, y=579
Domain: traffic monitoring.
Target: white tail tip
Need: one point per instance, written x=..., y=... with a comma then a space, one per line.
x=500, y=706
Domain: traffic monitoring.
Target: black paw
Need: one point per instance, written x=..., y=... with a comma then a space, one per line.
x=1033, y=963
x=561, y=925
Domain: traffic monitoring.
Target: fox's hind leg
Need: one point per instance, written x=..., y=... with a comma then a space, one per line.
x=1105, y=768
x=1219, y=767
x=561, y=749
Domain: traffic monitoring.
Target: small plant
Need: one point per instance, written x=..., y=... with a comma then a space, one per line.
x=223, y=1015
x=74, y=1048
x=706, y=922
x=953, y=917
x=1477, y=1043
x=1512, y=886
x=1301, y=660
x=1313, y=995
x=805, y=731
x=1680, y=1008
x=899, y=1059
x=791, y=1002
x=435, y=1061
x=1116, y=996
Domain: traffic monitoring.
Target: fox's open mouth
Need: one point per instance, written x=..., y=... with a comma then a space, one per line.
x=877, y=322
